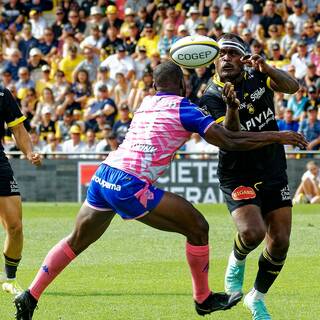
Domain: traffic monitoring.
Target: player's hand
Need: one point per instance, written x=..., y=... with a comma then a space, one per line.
x=257, y=62
x=293, y=138
x=34, y=158
x=229, y=96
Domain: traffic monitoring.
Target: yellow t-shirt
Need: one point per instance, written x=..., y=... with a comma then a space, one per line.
x=67, y=65
x=150, y=44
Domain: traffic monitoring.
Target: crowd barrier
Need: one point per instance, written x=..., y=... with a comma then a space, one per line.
x=66, y=180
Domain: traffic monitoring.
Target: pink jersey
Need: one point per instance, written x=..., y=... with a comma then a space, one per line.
x=161, y=125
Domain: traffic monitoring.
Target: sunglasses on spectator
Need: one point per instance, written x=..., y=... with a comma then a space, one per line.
x=73, y=16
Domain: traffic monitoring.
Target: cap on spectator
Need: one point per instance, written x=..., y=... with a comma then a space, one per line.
x=148, y=26
x=169, y=27
x=302, y=43
x=33, y=12
x=129, y=12
x=95, y=26
x=95, y=10
x=227, y=5
x=103, y=69
x=246, y=31
x=107, y=126
x=68, y=113
x=275, y=46
x=68, y=28
x=142, y=49
x=45, y=110
x=45, y=68
x=217, y=26
x=161, y=5
x=298, y=4
x=194, y=10
x=75, y=129
x=111, y=9
x=201, y=26
x=133, y=25
x=124, y=106
x=111, y=136
x=59, y=10
x=248, y=7
x=182, y=28
x=102, y=87
x=312, y=108
x=121, y=48
x=6, y=71
x=312, y=89
x=35, y=52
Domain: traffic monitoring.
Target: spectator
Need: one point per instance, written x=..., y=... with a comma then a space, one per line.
x=24, y=82
x=120, y=63
x=112, y=19
x=311, y=77
x=247, y=37
x=128, y=20
x=90, y=144
x=102, y=104
x=45, y=80
x=288, y=123
x=37, y=144
x=29, y=105
x=82, y=86
x=60, y=20
x=228, y=20
x=257, y=48
x=309, y=188
x=52, y=146
x=310, y=128
x=201, y=29
x=59, y=86
x=70, y=62
x=167, y=40
x=213, y=16
x=289, y=41
x=268, y=18
x=48, y=44
x=150, y=40
x=103, y=145
x=46, y=124
x=121, y=90
x=15, y=12
x=300, y=60
x=298, y=18
x=104, y=79
x=121, y=127
x=143, y=18
x=77, y=26
x=6, y=79
x=131, y=41
x=15, y=61
x=309, y=35
x=193, y=20
x=251, y=19
x=96, y=17
x=64, y=126
x=315, y=57
x=94, y=41
x=173, y=17
x=112, y=42
x=35, y=64
x=69, y=102
x=8, y=42
x=26, y=40
x=313, y=98
x=74, y=145
x=141, y=62
x=277, y=60
x=274, y=37
x=38, y=24
x=297, y=104
x=182, y=31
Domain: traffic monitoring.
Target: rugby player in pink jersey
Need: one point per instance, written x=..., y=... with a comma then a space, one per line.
x=123, y=184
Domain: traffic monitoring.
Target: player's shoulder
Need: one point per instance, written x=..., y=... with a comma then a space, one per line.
x=3, y=91
x=214, y=89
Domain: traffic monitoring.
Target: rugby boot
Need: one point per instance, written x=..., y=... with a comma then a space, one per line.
x=257, y=307
x=25, y=305
x=11, y=286
x=215, y=302
x=233, y=280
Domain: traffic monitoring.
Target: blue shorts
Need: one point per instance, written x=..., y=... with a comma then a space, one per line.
x=123, y=193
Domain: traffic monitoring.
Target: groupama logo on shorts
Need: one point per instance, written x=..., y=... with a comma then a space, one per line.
x=243, y=193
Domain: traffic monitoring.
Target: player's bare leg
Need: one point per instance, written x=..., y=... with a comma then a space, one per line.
x=90, y=225
x=175, y=214
x=11, y=218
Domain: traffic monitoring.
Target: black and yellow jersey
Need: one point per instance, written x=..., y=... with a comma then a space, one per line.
x=10, y=114
x=256, y=113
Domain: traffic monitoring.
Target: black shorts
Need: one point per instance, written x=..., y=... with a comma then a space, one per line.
x=8, y=184
x=268, y=195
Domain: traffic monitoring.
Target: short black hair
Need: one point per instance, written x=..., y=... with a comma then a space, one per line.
x=167, y=74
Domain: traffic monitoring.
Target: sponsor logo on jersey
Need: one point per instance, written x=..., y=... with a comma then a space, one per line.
x=14, y=186
x=285, y=193
x=257, y=94
x=105, y=184
x=250, y=108
x=204, y=110
x=243, y=193
x=144, y=148
x=260, y=120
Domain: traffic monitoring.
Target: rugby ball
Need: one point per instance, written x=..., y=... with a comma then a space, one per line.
x=194, y=51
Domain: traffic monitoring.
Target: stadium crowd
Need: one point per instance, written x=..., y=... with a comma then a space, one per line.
x=79, y=69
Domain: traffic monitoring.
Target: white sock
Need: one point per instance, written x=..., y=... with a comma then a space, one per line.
x=257, y=295
x=235, y=260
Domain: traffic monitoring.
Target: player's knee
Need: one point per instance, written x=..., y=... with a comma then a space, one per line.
x=279, y=244
x=252, y=237
x=199, y=234
x=14, y=229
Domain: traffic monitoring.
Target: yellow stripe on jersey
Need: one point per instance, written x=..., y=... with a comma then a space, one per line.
x=269, y=83
x=221, y=119
x=216, y=80
x=16, y=122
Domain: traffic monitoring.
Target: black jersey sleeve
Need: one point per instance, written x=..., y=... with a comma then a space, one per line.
x=212, y=102
x=11, y=112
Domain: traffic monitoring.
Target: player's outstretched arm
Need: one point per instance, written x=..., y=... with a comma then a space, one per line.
x=24, y=143
x=280, y=80
x=243, y=140
x=232, y=119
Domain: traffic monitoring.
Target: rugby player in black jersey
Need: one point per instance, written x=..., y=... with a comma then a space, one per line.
x=10, y=200
x=254, y=183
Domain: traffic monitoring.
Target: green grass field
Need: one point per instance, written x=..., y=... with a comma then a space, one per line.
x=135, y=272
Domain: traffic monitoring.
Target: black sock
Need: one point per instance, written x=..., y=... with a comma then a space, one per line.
x=240, y=250
x=269, y=269
x=10, y=266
